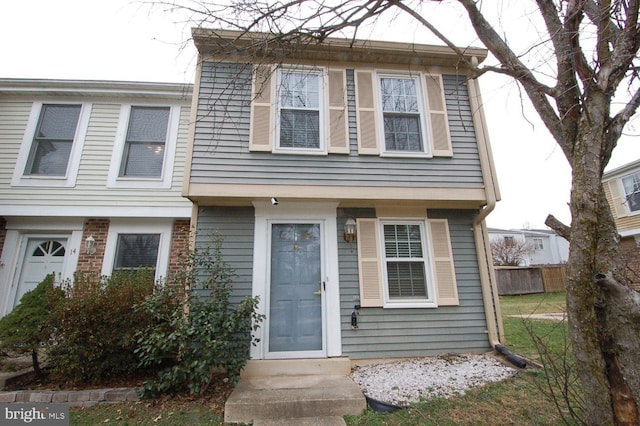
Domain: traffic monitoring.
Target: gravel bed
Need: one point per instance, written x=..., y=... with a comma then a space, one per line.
x=411, y=380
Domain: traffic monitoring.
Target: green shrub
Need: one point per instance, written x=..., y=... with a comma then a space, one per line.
x=197, y=330
x=27, y=327
x=95, y=326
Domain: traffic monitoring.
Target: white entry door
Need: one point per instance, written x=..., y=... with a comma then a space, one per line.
x=42, y=257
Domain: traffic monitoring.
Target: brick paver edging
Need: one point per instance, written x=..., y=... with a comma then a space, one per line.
x=80, y=398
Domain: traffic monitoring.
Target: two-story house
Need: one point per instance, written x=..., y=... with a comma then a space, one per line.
x=539, y=246
x=349, y=181
x=90, y=179
x=622, y=187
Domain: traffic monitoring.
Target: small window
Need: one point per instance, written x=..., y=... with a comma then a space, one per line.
x=509, y=241
x=135, y=251
x=144, y=150
x=537, y=244
x=300, y=105
x=631, y=185
x=403, y=116
x=405, y=263
x=53, y=140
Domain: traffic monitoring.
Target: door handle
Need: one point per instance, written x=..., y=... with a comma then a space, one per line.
x=318, y=293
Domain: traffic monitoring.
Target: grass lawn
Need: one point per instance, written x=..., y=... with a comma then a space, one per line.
x=519, y=400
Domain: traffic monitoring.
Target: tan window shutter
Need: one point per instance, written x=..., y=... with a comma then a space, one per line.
x=366, y=113
x=338, y=116
x=369, y=263
x=261, y=131
x=446, y=285
x=618, y=198
x=438, y=120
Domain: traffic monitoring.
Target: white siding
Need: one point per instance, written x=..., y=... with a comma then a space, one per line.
x=90, y=189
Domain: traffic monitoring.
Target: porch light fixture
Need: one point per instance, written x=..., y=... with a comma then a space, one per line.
x=350, y=231
x=90, y=244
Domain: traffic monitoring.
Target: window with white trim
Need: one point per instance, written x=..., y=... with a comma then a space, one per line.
x=631, y=185
x=144, y=149
x=138, y=243
x=402, y=107
x=537, y=244
x=405, y=263
x=300, y=111
x=52, y=145
x=136, y=251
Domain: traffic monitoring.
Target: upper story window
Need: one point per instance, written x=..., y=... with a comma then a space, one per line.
x=300, y=111
x=631, y=185
x=401, y=114
x=52, y=145
x=53, y=140
x=404, y=120
x=144, y=149
x=537, y=244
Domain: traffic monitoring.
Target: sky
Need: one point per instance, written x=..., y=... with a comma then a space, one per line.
x=128, y=40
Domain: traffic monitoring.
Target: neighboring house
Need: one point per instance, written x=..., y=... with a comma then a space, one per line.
x=622, y=187
x=350, y=181
x=90, y=179
x=545, y=246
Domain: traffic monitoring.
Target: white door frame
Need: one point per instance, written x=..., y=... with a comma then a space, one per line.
x=298, y=212
x=19, y=231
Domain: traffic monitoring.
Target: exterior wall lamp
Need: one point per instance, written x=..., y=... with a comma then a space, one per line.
x=90, y=244
x=350, y=231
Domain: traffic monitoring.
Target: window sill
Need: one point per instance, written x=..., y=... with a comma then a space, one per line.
x=43, y=181
x=410, y=304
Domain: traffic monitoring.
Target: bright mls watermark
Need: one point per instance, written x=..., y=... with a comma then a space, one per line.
x=34, y=414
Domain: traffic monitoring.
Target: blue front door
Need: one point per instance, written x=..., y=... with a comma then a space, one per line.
x=295, y=298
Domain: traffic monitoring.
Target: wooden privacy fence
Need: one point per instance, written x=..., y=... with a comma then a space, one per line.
x=514, y=280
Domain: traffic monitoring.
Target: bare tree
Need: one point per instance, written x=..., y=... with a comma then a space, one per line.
x=508, y=252
x=592, y=54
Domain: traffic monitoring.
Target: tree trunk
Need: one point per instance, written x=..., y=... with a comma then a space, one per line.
x=602, y=325
x=36, y=364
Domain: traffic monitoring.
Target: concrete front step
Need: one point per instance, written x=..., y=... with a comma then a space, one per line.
x=297, y=367
x=303, y=421
x=293, y=397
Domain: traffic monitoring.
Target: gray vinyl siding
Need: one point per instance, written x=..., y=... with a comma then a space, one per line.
x=221, y=147
x=416, y=332
x=236, y=227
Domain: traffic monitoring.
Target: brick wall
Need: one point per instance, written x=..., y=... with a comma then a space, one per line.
x=3, y=233
x=631, y=256
x=179, y=243
x=92, y=262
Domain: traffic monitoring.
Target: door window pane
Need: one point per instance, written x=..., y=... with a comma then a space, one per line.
x=53, y=140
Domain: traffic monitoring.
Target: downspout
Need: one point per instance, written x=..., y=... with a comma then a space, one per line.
x=488, y=283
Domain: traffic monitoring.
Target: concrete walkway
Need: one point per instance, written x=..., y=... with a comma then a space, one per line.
x=559, y=316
